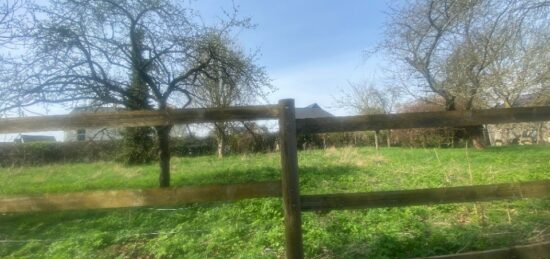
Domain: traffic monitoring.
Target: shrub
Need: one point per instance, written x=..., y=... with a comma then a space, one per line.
x=39, y=153
x=138, y=147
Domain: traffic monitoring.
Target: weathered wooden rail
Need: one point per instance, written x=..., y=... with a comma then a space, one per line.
x=233, y=192
x=139, y=197
x=384, y=199
x=423, y=120
x=124, y=119
x=288, y=187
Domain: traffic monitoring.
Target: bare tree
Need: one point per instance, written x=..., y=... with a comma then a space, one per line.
x=12, y=16
x=236, y=81
x=523, y=65
x=91, y=52
x=366, y=99
x=419, y=36
x=449, y=47
x=9, y=20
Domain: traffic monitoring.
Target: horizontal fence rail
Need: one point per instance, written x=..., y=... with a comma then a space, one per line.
x=139, y=197
x=532, y=251
x=423, y=120
x=122, y=119
x=381, y=199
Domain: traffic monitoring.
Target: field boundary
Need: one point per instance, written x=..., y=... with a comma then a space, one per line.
x=232, y=192
x=288, y=187
x=459, y=194
x=141, y=118
x=423, y=120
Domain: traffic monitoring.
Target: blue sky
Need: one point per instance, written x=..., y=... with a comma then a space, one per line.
x=311, y=49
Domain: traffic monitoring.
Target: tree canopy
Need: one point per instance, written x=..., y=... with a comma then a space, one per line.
x=472, y=54
x=136, y=54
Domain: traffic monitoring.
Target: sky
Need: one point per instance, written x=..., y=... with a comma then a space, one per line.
x=310, y=49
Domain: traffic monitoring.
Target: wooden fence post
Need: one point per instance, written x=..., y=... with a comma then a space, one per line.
x=290, y=185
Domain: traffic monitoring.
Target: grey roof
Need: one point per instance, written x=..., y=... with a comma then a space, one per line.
x=312, y=111
x=313, y=105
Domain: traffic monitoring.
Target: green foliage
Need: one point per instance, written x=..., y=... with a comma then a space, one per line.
x=192, y=146
x=138, y=146
x=40, y=153
x=254, y=228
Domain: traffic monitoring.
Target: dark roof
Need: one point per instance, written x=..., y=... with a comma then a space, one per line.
x=34, y=138
x=314, y=105
x=312, y=111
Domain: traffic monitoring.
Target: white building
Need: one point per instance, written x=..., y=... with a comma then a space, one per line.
x=105, y=134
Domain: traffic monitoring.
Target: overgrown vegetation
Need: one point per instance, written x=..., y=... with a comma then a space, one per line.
x=43, y=153
x=254, y=228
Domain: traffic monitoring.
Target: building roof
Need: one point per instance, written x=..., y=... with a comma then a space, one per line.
x=312, y=111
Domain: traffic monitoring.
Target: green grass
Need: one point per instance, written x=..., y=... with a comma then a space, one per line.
x=254, y=228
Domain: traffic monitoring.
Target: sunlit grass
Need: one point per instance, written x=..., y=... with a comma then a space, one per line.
x=254, y=229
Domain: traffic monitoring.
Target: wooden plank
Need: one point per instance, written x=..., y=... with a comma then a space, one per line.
x=139, y=197
x=532, y=251
x=533, y=189
x=290, y=185
x=135, y=118
x=423, y=120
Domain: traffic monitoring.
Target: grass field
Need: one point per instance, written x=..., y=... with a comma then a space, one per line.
x=254, y=228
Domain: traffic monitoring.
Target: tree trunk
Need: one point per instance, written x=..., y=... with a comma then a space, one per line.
x=389, y=138
x=138, y=141
x=138, y=145
x=220, y=138
x=540, y=133
x=376, y=140
x=163, y=133
x=472, y=134
x=221, y=147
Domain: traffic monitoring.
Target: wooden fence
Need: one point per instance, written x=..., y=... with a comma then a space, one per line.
x=288, y=188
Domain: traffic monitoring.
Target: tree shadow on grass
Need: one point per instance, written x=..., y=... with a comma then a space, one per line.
x=420, y=240
x=225, y=176
x=332, y=178
x=307, y=174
